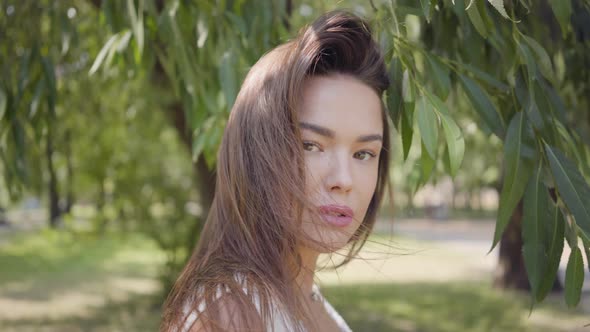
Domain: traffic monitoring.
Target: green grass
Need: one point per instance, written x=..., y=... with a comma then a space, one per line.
x=67, y=257
x=139, y=313
x=39, y=267
x=449, y=306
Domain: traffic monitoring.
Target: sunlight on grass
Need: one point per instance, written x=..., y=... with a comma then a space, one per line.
x=58, y=281
x=54, y=255
x=451, y=306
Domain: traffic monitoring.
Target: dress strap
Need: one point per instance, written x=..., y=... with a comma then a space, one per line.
x=331, y=311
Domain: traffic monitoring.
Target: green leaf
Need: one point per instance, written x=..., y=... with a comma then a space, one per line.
x=66, y=33
x=527, y=58
x=168, y=65
x=518, y=166
x=543, y=104
x=563, y=11
x=441, y=80
x=526, y=4
x=23, y=77
x=407, y=131
x=533, y=235
x=407, y=88
x=426, y=9
x=542, y=233
x=394, y=92
x=137, y=25
x=556, y=103
x=476, y=18
x=227, y=78
x=483, y=105
x=18, y=134
x=574, y=278
x=103, y=53
x=454, y=138
x=428, y=125
x=554, y=232
x=49, y=72
x=198, y=146
x=455, y=143
x=499, y=5
x=123, y=41
x=237, y=22
x=3, y=103
x=485, y=77
x=181, y=53
x=543, y=60
x=572, y=187
x=526, y=98
x=427, y=165
x=200, y=137
x=39, y=89
x=214, y=137
x=587, y=251
x=571, y=234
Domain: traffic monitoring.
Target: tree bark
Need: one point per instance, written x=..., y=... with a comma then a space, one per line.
x=70, y=173
x=510, y=272
x=54, y=211
x=102, y=220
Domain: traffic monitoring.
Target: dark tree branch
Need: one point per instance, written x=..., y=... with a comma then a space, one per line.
x=96, y=3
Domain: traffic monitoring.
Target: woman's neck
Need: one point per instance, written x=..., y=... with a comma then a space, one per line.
x=306, y=274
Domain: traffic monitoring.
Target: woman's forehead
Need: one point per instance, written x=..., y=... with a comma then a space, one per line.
x=341, y=103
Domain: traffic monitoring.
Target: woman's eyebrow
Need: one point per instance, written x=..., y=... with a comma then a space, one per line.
x=317, y=129
x=369, y=138
x=323, y=131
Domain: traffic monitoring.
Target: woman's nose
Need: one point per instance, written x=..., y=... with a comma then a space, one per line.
x=339, y=174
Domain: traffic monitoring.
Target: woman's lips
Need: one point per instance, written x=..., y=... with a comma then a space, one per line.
x=336, y=215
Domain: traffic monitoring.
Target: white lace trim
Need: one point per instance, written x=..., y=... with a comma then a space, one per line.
x=279, y=323
x=332, y=312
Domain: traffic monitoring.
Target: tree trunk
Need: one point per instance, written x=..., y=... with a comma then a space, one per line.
x=204, y=177
x=70, y=173
x=3, y=219
x=468, y=203
x=54, y=211
x=100, y=204
x=510, y=272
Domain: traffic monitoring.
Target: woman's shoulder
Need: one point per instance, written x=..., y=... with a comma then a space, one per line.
x=226, y=313
x=233, y=307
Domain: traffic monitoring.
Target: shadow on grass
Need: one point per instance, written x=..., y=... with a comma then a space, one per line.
x=139, y=313
x=37, y=266
x=434, y=307
x=366, y=307
x=40, y=266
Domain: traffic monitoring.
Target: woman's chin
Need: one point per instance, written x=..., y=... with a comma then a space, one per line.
x=328, y=246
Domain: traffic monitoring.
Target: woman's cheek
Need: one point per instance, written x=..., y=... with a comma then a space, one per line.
x=369, y=184
x=313, y=164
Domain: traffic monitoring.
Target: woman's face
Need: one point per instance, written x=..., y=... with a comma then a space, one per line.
x=341, y=131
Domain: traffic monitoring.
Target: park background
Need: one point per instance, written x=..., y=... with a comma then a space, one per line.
x=111, y=113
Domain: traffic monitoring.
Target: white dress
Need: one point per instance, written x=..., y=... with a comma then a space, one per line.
x=280, y=323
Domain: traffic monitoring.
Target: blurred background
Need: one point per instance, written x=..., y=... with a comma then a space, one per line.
x=111, y=113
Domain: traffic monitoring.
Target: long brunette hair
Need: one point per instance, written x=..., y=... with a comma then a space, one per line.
x=248, y=247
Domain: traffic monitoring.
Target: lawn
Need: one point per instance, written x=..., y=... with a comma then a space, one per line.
x=449, y=306
x=56, y=281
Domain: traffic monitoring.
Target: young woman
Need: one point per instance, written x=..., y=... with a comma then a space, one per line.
x=301, y=171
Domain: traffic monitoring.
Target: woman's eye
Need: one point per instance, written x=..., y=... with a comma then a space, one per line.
x=364, y=155
x=309, y=146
